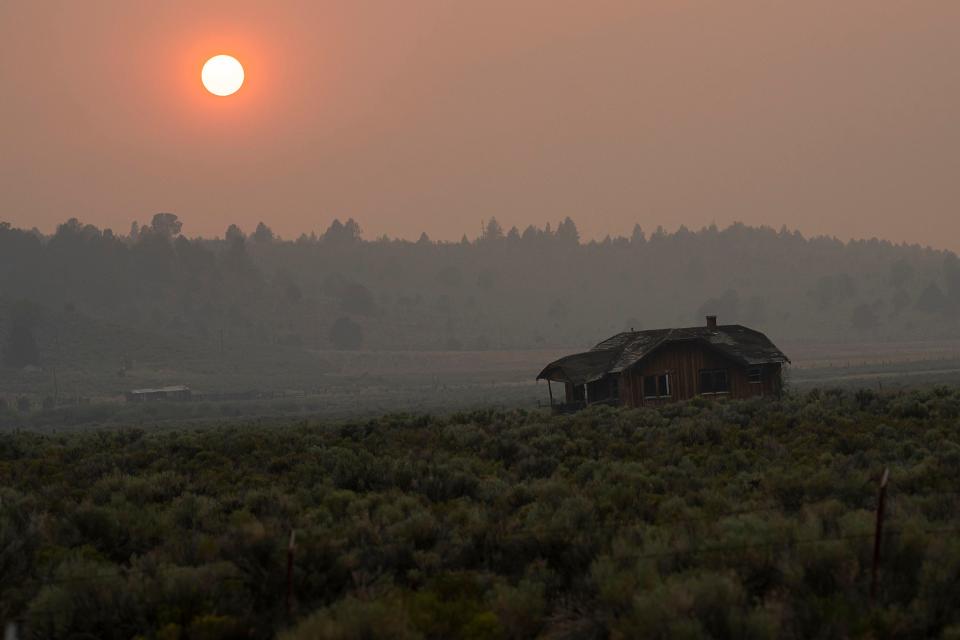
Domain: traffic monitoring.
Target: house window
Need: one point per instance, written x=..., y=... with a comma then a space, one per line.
x=714, y=381
x=656, y=386
x=755, y=375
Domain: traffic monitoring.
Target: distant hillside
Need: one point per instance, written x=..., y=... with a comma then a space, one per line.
x=505, y=289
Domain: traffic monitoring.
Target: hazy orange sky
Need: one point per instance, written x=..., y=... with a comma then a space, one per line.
x=840, y=118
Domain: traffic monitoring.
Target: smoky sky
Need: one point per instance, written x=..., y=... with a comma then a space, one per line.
x=837, y=118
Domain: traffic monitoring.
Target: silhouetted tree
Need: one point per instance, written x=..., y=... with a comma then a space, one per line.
x=342, y=233
x=492, y=230
x=263, y=234
x=234, y=235
x=166, y=225
x=567, y=232
x=236, y=259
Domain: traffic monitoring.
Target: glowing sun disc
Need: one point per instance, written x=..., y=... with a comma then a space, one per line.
x=222, y=75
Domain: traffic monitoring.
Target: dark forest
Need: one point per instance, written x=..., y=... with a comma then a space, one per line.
x=505, y=289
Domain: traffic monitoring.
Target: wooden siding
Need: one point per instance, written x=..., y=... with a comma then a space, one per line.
x=682, y=362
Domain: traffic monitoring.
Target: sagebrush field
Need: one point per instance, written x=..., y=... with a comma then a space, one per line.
x=727, y=520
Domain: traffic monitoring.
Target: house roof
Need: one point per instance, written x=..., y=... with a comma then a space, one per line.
x=623, y=350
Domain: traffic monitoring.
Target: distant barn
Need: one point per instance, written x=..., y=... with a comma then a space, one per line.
x=178, y=392
x=644, y=368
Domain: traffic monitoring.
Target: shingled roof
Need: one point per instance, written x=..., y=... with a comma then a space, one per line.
x=622, y=351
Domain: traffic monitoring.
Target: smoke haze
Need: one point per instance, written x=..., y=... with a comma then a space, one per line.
x=832, y=118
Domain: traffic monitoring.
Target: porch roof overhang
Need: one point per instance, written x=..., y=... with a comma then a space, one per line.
x=579, y=368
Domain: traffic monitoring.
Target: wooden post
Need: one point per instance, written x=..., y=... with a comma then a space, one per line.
x=290, y=547
x=550, y=391
x=878, y=533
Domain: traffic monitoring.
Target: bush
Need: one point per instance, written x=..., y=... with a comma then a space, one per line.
x=745, y=519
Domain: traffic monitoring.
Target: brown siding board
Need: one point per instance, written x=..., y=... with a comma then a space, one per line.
x=683, y=363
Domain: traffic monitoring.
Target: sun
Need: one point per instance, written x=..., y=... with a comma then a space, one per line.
x=222, y=75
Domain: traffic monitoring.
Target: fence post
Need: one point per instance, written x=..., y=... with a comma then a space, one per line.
x=878, y=533
x=290, y=547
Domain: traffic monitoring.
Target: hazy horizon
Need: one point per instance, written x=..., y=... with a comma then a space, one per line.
x=472, y=236
x=317, y=429
x=834, y=120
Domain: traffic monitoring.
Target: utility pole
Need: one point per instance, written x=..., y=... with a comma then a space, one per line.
x=878, y=534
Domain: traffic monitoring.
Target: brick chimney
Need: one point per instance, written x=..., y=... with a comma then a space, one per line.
x=712, y=323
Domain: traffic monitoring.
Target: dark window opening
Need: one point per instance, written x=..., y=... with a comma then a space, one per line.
x=755, y=375
x=714, y=381
x=606, y=389
x=574, y=393
x=656, y=386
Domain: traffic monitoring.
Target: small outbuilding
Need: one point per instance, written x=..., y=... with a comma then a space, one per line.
x=177, y=392
x=644, y=368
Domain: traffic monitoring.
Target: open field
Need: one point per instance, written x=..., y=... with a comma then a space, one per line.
x=345, y=383
x=749, y=519
x=251, y=381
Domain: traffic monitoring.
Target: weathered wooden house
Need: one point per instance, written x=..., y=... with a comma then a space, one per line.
x=643, y=368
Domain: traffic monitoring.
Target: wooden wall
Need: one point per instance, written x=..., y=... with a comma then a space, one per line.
x=683, y=361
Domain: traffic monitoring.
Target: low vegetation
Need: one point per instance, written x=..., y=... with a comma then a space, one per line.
x=750, y=519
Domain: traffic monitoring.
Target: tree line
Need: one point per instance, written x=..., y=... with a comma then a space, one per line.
x=504, y=289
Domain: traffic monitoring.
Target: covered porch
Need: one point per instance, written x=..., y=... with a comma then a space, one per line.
x=585, y=379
